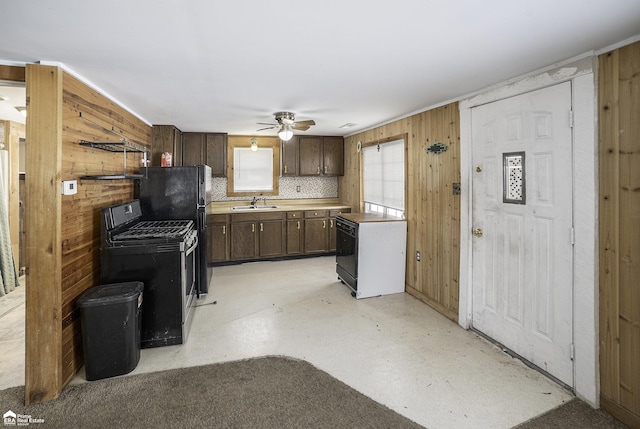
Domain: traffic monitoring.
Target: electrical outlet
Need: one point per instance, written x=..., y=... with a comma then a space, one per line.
x=418, y=255
x=298, y=188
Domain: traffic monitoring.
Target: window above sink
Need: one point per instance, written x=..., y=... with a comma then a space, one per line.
x=253, y=172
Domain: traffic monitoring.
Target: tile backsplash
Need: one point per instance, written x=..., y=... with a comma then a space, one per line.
x=310, y=187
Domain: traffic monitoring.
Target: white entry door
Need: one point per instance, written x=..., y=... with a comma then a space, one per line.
x=522, y=226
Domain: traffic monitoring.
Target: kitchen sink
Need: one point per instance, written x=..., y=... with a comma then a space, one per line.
x=258, y=207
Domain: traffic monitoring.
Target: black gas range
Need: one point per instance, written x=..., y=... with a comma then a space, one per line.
x=159, y=253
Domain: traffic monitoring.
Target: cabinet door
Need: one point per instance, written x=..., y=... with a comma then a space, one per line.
x=243, y=240
x=294, y=237
x=332, y=227
x=271, y=238
x=310, y=148
x=177, y=147
x=193, y=148
x=216, y=154
x=290, y=157
x=333, y=156
x=315, y=235
x=218, y=243
x=332, y=234
x=166, y=138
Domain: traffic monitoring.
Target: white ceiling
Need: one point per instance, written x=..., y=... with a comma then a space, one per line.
x=222, y=66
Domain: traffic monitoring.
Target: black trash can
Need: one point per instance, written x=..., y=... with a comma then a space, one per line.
x=110, y=318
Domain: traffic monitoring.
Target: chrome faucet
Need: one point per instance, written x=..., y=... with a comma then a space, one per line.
x=254, y=201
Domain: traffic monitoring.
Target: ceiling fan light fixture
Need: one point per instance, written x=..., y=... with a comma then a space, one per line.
x=285, y=133
x=254, y=145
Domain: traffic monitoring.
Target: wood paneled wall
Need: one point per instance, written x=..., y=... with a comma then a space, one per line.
x=431, y=208
x=63, y=232
x=619, y=110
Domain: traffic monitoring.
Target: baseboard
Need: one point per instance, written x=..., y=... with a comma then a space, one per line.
x=625, y=416
x=446, y=312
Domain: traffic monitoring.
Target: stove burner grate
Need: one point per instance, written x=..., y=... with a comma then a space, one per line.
x=169, y=229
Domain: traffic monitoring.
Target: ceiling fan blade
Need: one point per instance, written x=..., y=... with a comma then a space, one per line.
x=268, y=128
x=267, y=123
x=303, y=125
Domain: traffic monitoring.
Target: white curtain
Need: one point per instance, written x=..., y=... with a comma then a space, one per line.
x=8, y=276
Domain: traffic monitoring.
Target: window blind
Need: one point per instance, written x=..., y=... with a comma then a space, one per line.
x=383, y=174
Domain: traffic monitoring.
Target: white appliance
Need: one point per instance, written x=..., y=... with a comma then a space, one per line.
x=371, y=253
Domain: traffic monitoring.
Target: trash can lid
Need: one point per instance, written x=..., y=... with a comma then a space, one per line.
x=110, y=294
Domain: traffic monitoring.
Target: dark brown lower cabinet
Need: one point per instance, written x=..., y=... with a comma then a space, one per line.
x=257, y=235
x=217, y=239
x=270, y=238
x=272, y=234
x=332, y=234
x=294, y=237
x=332, y=227
x=316, y=237
x=243, y=240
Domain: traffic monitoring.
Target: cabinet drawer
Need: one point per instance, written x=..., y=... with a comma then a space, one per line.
x=218, y=218
x=334, y=213
x=315, y=213
x=294, y=215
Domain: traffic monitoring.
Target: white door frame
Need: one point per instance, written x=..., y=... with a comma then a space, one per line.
x=582, y=74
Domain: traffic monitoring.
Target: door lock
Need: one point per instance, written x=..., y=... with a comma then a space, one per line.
x=477, y=232
x=478, y=169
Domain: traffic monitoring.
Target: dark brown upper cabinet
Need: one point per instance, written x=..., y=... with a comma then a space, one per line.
x=333, y=156
x=321, y=156
x=166, y=138
x=206, y=148
x=290, y=157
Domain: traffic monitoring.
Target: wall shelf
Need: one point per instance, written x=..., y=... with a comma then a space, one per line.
x=122, y=146
x=113, y=177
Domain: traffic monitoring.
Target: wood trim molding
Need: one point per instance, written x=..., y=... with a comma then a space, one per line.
x=43, y=327
x=620, y=413
x=12, y=73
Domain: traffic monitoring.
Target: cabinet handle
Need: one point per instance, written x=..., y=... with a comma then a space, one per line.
x=318, y=169
x=324, y=224
x=298, y=224
x=253, y=227
x=224, y=229
x=261, y=227
x=285, y=169
x=331, y=223
x=325, y=169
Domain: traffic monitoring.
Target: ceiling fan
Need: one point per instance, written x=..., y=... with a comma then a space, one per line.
x=286, y=123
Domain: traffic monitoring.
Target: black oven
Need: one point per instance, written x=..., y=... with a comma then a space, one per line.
x=347, y=252
x=162, y=255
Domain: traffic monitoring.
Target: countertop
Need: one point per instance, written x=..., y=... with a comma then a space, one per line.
x=370, y=217
x=226, y=207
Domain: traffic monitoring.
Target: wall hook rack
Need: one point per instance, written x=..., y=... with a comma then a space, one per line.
x=436, y=148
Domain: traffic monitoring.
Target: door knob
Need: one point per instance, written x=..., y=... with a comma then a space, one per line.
x=477, y=232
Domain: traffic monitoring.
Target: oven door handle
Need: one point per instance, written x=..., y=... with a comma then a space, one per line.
x=192, y=247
